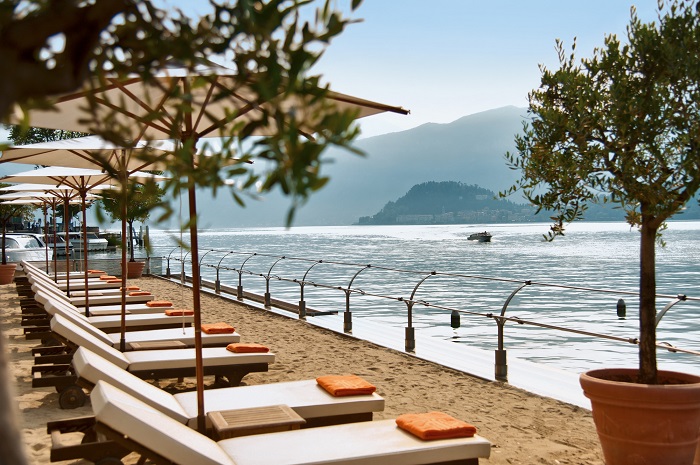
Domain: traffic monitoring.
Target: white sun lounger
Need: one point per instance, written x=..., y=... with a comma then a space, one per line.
x=112, y=323
x=167, y=363
x=45, y=298
x=137, y=426
x=184, y=335
x=306, y=398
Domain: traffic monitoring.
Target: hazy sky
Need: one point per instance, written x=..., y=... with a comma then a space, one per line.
x=444, y=59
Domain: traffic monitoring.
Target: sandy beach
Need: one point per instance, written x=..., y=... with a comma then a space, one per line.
x=524, y=428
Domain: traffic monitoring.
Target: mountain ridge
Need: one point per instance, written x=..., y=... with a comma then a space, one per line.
x=470, y=149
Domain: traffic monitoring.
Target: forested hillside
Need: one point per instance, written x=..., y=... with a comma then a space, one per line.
x=449, y=202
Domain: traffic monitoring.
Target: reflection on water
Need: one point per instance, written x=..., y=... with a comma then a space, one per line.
x=591, y=255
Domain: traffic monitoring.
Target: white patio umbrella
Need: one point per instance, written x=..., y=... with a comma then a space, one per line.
x=42, y=200
x=217, y=98
x=92, y=152
x=62, y=194
x=82, y=181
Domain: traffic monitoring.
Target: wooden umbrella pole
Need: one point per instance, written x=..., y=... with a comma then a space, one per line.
x=55, y=243
x=65, y=228
x=44, y=208
x=83, y=194
x=125, y=199
x=201, y=424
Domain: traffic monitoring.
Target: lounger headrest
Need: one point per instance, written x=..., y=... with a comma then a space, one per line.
x=154, y=430
x=93, y=368
x=82, y=338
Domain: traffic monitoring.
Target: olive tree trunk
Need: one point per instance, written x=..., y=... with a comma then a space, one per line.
x=647, y=303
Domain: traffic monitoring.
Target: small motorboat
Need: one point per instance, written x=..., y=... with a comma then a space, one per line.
x=480, y=236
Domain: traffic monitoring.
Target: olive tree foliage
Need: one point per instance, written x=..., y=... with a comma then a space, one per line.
x=623, y=127
x=50, y=48
x=268, y=44
x=141, y=199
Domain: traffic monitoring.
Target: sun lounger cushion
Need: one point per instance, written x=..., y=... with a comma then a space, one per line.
x=305, y=397
x=435, y=425
x=347, y=385
x=217, y=328
x=97, y=272
x=179, y=312
x=91, y=367
x=160, y=303
x=130, y=288
x=181, y=444
x=139, y=293
x=113, y=281
x=82, y=338
x=247, y=348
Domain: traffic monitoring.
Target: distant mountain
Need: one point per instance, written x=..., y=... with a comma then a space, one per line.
x=450, y=202
x=469, y=150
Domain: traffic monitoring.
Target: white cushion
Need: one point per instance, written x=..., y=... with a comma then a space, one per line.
x=93, y=368
x=185, y=335
x=153, y=429
x=365, y=443
x=184, y=358
x=305, y=397
x=79, y=337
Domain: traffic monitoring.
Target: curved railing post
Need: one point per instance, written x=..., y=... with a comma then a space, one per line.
x=302, y=302
x=239, y=289
x=267, y=282
x=200, y=265
x=410, y=341
x=667, y=307
x=167, y=269
x=501, y=367
x=217, y=282
x=347, y=315
x=183, y=275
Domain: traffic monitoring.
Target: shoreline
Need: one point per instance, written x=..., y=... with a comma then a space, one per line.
x=524, y=428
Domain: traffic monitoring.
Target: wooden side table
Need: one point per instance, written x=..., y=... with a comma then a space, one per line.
x=244, y=422
x=157, y=345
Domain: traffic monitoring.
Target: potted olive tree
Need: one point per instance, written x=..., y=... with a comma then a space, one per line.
x=140, y=199
x=7, y=212
x=624, y=127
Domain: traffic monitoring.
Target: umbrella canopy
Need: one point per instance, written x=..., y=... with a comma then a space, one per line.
x=215, y=98
x=81, y=181
x=89, y=152
x=218, y=96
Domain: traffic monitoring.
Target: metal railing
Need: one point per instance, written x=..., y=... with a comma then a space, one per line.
x=225, y=260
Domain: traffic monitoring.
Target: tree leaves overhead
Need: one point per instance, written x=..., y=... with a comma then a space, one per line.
x=269, y=46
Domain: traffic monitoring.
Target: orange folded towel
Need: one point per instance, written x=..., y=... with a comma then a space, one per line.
x=435, y=425
x=130, y=288
x=218, y=328
x=137, y=293
x=159, y=303
x=249, y=348
x=96, y=272
x=179, y=312
x=105, y=277
x=345, y=385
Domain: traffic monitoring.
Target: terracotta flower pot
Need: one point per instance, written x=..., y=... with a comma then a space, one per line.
x=7, y=273
x=134, y=269
x=644, y=424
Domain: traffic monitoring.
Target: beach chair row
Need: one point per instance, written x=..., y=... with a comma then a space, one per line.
x=132, y=415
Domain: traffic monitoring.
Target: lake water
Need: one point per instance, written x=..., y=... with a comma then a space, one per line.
x=475, y=278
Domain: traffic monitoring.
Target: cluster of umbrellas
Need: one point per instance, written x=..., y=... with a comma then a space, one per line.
x=76, y=167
